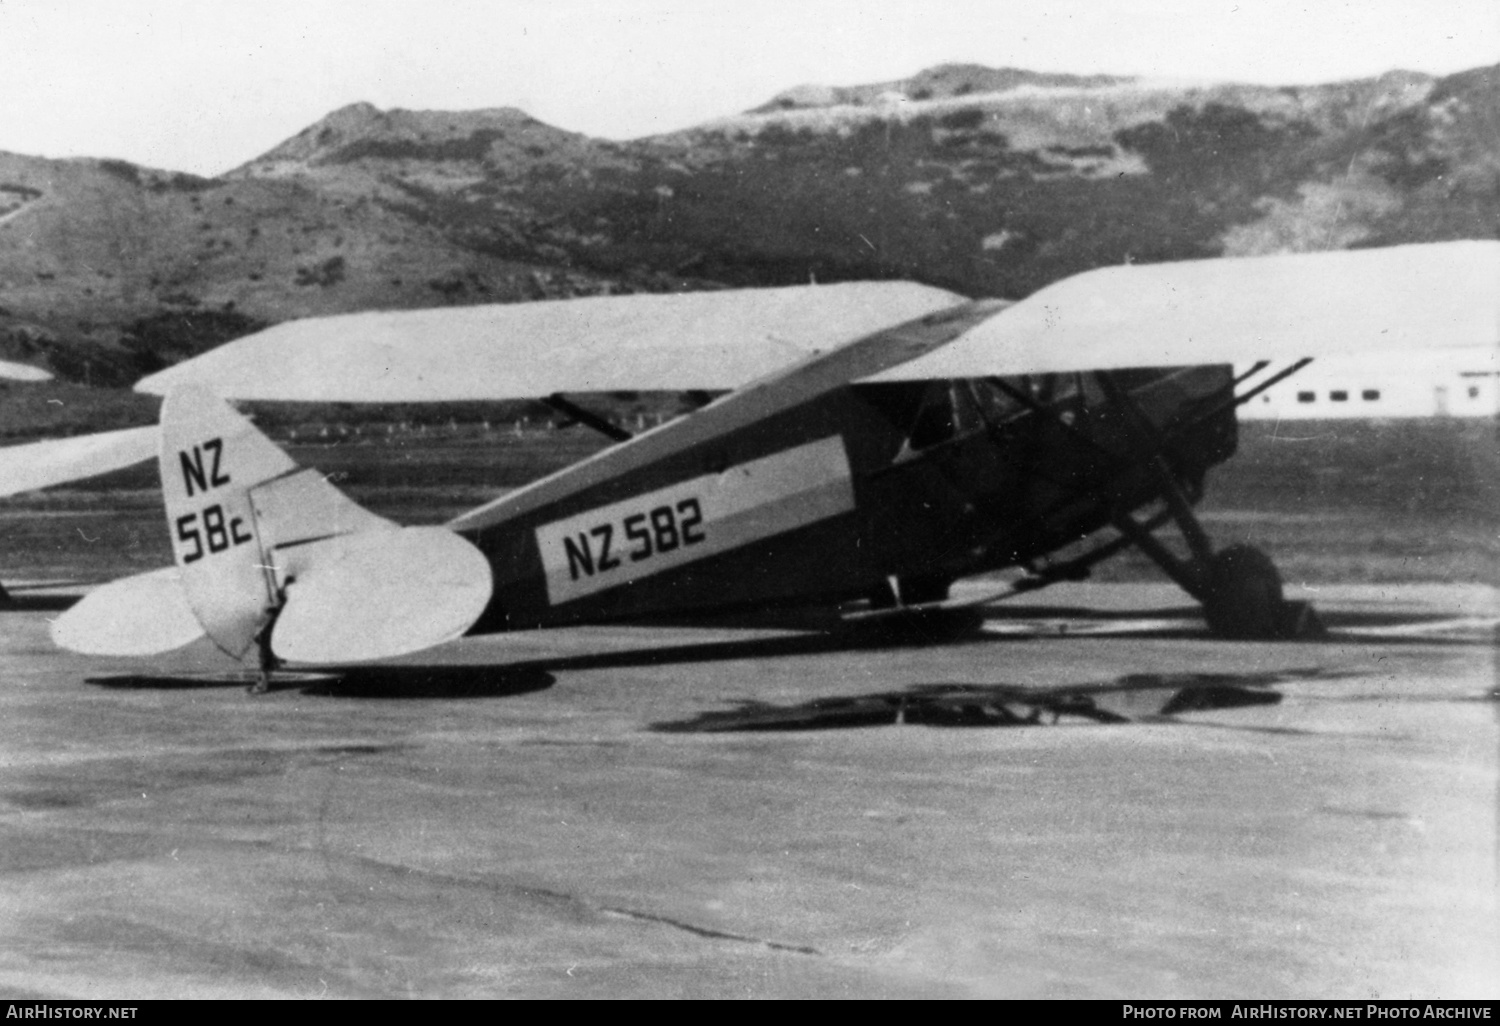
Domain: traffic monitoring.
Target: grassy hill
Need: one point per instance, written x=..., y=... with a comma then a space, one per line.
x=110, y=270
x=988, y=181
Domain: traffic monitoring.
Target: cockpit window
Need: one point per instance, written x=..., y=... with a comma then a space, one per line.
x=995, y=404
x=936, y=423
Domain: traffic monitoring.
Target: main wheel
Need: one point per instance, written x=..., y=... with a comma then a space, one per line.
x=1244, y=594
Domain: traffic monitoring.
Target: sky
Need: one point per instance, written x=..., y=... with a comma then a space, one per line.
x=205, y=85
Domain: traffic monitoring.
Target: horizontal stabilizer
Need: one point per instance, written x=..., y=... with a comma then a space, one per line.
x=713, y=341
x=1404, y=299
x=378, y=594
x=134, y=616
x=25, y=468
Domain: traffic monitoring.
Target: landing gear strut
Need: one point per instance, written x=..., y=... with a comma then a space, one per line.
x=1238, y=586
x=269, y=664
x=269, y=661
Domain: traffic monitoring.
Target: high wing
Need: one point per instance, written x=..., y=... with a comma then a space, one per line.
x=1406, y=299
x=22, y=372
x=1230, y=310
x=710, y=341
x=25, y=468
x=715, y=341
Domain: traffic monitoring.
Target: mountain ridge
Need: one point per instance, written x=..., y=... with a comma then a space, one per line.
x=987, y=181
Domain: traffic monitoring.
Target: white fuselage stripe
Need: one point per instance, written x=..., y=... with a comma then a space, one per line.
x=688, y=521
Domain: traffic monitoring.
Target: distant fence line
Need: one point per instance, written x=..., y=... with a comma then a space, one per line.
x=376, y=433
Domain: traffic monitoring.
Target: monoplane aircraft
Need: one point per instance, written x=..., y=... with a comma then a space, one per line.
x=865, y=443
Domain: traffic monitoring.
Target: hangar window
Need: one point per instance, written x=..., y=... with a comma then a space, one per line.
x=1306, y=397
x=1369, y=395
x=1339, y=396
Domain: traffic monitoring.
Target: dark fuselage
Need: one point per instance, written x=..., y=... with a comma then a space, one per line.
x=804, y=488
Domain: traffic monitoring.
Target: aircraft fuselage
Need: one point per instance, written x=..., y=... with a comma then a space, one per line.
x=832, y=497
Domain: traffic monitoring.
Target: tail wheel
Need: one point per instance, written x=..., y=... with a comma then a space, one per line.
x=1244, y=594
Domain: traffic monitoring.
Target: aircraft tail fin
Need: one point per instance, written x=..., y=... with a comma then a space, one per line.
x=261, y=543
x=212, y=461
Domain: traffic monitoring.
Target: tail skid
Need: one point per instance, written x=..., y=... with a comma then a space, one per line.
x=271, y=556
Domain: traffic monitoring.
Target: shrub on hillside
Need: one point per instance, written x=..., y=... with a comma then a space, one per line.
x=121, y=169
x=163, y=338
x=329, y=272
x=962, y=120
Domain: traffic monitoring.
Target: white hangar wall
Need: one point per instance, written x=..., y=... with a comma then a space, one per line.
x=1461, y=383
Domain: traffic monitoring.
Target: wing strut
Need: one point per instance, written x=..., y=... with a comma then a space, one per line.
x=1042, y=410
x=1171, y=490
x=1079, y=567
x=1241, y=400
x=609, y=429
x=1235, y=401
x=1255, y=368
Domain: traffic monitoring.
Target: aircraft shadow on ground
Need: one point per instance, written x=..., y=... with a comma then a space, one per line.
x=1137, y=697
x=387, y=682
x=946, y=629
x=951, y=705
x=432, y=682
x=1180, y=623
x=500, y=679
x=861, y=637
